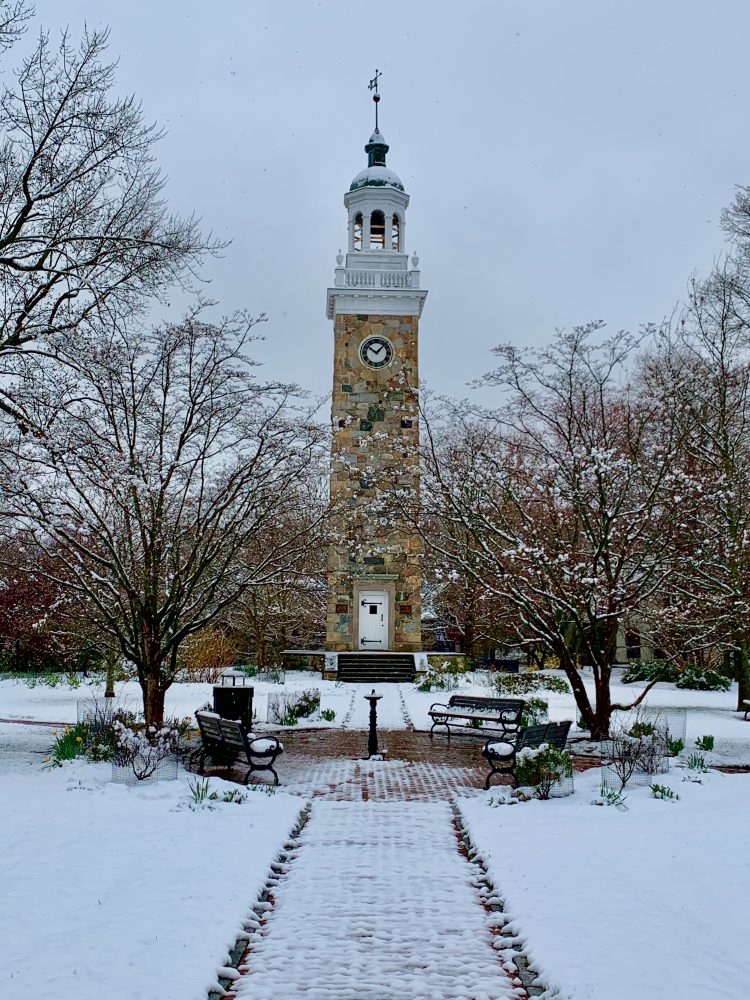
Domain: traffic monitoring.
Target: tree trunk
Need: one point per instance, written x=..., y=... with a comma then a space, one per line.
x=603, y=706
x=742, y=673
x=110, y=688
x=153, y=700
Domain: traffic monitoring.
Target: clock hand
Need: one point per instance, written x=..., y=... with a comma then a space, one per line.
x=372, y=349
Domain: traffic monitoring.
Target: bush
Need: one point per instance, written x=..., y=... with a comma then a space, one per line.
x=288, y=712
x=97, y=736
x=541, y=768
x=705, y=743
x=641, y=728
x=675, y=747
x=535, y=712
x=650, y=670
x=526, y=683
x=68, y=745
x=143, y=750
x=697, y=678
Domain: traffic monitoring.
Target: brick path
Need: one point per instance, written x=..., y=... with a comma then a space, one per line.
x=328, y=764
x=376, y=902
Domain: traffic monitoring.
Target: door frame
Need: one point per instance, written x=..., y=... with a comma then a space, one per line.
x=388, y=587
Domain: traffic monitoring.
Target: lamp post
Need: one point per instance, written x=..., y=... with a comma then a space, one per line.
x=372, y=740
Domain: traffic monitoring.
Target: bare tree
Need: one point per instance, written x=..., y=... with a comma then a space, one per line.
x=155, y=480
x=290, y=609
x=85, y=233
x=565, y=491
x=701, y=372
x=14, y=15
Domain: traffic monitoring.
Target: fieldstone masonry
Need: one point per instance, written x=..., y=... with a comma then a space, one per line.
x=375, y=447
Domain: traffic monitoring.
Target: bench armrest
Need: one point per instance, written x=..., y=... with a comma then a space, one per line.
x=439, y=704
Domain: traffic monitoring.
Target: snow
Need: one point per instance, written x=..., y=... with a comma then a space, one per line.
x=126, y=892
x=711, y=712
x=377, y=175
x=377, y=903
x=648, y=903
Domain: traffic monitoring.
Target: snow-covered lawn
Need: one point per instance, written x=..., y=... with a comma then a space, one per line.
x=651, y=903
x=126, y=893
x=708, y=711
x=711, y=712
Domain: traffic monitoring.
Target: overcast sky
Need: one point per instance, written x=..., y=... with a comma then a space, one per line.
x=566, y=161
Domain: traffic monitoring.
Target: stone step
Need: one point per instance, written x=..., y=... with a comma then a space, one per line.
x=376, y=668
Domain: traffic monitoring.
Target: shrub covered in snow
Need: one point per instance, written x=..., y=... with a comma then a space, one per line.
x=532, y=681
x=697, y=678
x=542, y=767
x=144, y=750
x=650, y=670
x=535, y=712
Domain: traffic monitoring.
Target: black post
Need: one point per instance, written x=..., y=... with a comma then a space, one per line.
x=372, y=741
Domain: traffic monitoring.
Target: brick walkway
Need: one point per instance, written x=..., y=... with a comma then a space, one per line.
x=329, y=764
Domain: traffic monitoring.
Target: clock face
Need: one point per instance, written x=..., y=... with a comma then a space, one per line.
x=376, y=352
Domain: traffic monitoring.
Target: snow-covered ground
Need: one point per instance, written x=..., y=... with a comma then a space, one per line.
x=126, y=893
x=651, y=903
x=711, y=712
x=59, y=704
x=708, y=711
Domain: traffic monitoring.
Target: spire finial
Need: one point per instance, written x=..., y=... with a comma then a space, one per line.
x=373, y=85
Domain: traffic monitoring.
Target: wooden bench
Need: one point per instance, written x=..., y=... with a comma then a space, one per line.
x=501, y=754
x=226, y=743
x=477, y=715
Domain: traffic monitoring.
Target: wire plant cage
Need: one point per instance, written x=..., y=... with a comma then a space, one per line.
x=142, y=769
x=286, y=708
x=672, y=721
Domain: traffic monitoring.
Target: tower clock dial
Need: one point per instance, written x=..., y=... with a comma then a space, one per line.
x=376, y=352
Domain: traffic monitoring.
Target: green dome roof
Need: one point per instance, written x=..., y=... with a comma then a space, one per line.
x=376, y=176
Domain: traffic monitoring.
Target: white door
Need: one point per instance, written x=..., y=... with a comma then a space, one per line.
x=373, y=619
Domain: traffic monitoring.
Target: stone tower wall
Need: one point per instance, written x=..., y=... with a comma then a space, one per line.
x=375, y=444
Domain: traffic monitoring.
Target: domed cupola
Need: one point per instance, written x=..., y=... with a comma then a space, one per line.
x=376, y=173
x=376, y=257
x=376, y=201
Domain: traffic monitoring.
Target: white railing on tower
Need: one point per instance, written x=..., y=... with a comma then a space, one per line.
x=377, y=279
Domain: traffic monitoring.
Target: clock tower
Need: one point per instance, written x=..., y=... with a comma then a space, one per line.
x=374, y=574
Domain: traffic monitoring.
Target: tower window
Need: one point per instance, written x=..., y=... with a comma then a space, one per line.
x=377, y=231
x=395, y=233
x=357, y=234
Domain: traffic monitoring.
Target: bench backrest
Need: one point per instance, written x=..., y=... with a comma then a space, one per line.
x=555, y=734
x=220, y=736
x=208, y=723
x=478, y=702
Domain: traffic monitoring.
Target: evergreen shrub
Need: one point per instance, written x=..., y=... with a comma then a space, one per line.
x=519, y=684
x=650, y=670
x=697, y=678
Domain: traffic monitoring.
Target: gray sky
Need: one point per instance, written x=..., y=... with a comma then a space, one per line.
x=566, y=161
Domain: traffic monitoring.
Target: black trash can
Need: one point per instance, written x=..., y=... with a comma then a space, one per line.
x=235, y=703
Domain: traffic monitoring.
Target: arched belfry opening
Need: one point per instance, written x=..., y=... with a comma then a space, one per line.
x=395, y=233
x=377, y=230
x=357, y=232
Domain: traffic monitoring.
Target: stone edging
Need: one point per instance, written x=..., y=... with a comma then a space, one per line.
x=509, y=946
x=264, y=904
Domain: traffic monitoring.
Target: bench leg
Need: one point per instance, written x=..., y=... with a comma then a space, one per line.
x=252, y=768
x=493, y=770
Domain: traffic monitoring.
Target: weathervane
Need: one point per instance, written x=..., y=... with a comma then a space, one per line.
x=373, y=85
